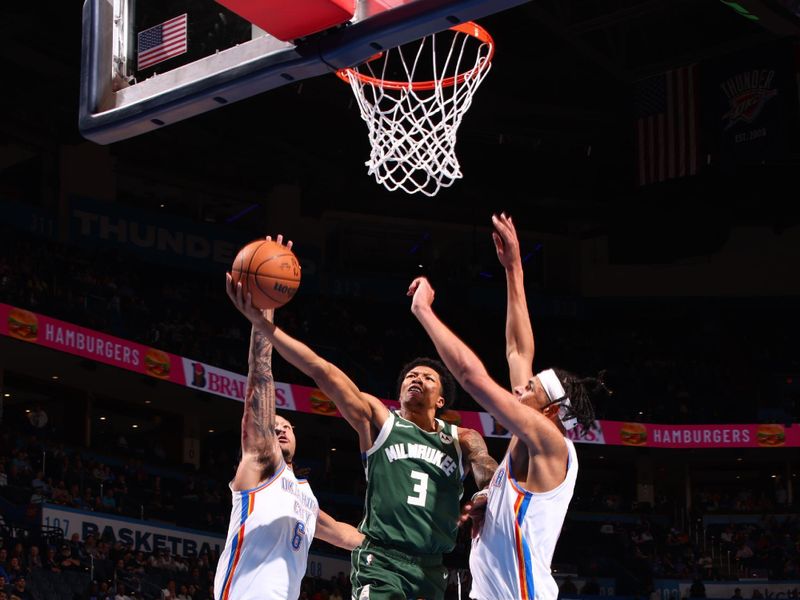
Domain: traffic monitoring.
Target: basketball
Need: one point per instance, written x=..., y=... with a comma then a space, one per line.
x=269, y=271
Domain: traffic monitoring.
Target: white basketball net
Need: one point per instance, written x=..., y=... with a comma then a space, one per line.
x=413, y=131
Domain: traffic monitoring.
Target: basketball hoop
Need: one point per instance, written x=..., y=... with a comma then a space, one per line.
x=413, y=109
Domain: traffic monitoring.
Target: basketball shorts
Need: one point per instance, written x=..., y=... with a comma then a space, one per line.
x=381, y=573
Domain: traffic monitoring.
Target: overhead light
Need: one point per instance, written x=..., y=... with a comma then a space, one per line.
x=601, y=457
x=210, y=431
x=162, y=205
x=640, y=412
x=333, y=449
x=6, y=395
x=740, y=459
x=102, y=418
x=773, y=476
x=27, y=410
x=54, y=377
x=135, y=426
x=147, y=401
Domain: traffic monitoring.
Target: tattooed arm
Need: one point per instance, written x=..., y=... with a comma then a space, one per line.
x=261, y=454
x=260, y=451
x=476, y=455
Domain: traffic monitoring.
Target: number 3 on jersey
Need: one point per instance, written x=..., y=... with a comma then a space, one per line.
x=421, y=489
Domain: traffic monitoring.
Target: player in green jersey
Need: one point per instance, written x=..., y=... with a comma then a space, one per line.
x=414, y=462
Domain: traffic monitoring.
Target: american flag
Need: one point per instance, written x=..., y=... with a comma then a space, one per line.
x=161, y=42
x=667, y=128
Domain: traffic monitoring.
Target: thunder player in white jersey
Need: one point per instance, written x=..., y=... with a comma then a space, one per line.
x=532, y=487
x=275, y=514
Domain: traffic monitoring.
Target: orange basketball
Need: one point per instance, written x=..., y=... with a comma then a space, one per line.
x=269, y=271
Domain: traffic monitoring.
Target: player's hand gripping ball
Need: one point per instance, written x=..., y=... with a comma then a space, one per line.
x=269, y=271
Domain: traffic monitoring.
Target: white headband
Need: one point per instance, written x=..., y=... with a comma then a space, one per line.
x=555, y=391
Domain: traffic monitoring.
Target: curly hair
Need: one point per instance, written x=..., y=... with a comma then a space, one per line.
x=447, y=383
x=579, y=390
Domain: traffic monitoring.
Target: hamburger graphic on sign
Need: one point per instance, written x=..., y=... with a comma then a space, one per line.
x=633, y=434
x=321, y=404
x=771, y=435
x=23, y=325
x=157, y=363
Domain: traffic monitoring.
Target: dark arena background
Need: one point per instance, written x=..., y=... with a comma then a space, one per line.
x=648, y=151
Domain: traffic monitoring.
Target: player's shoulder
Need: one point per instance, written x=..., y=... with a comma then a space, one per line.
x=470, y=439
x=467, y=432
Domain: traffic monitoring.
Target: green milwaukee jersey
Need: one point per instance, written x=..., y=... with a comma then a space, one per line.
x=414, y=485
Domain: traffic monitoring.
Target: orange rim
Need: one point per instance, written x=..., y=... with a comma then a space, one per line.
x=469, y=28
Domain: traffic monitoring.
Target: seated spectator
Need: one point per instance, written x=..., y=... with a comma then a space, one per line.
x=39, y=484
x=34, y=558
x=121, y=593
x=104, y=591
x=94, y=592
x=183, y=594
x=60, y=494
x=139, y=562
x=67, y=560
x=737, y=594
x=744, y=554
x=51, y=561
x=169, y=592
x=15, y=570
x=19, y=589
x=107, y=502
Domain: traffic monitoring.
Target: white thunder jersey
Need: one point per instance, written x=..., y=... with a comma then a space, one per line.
x=270, y=532
x=510, y=559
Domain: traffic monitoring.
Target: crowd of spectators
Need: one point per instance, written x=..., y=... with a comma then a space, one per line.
x=120, y=485
x=667, y=361
x=37, y=568
x=620, y=539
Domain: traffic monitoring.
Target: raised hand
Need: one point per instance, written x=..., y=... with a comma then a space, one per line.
x=244, y=303
x=421, y=292
x=506, y=243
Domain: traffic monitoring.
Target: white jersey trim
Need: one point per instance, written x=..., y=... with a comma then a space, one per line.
x=457, y=442
x=382, y=435
x=266, y=482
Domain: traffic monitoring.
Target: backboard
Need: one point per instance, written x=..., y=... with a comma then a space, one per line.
x=148, y=63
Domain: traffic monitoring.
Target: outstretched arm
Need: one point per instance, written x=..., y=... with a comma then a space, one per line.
x=336, y=532
x=365, y=413
x=533, y=428
x=260, y=450
x=519, y=332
